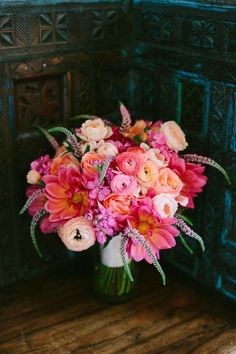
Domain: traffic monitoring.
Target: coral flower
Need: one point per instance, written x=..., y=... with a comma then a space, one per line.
x=66, y=195
x=160, y=233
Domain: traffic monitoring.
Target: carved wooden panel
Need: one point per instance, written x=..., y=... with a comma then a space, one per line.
x=51, y=57
x=192, y=49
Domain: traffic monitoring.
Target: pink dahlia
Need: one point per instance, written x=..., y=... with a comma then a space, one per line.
x=160, y=233
x=67, y=197
x=192, y=177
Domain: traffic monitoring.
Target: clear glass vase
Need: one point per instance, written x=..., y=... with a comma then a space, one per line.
x=111, y=281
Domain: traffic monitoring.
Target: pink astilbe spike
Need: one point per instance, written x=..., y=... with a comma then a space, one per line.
x=131, y=232
x=126, y=119
x=207, y=161
x=188, y=231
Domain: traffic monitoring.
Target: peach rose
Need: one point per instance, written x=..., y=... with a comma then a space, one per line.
x=106, y=149
x=94, y=130
x=67, y=160
x=88, y=164
x=167, y=181
x=123, y=184
x=77, y=234
x=33, y=177
x=165, y=204
x=138, y=129
x=119, y=204
x=175, y=137
x=147, y=175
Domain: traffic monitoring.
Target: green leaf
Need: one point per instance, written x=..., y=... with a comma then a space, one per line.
x=185, y=244
x=87, y=149
x=137, y=138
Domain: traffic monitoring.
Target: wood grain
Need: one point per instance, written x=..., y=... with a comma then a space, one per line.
x=58, y=313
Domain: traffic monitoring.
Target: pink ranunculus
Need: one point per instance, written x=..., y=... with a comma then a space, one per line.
x=130, y=162
x=124, y=184
x=77, y=234
x=33, y=177
x=66, y=196
x=88, y=164
x=167, y=181
x=119, y=204
x=175, y=137
x=165, y=205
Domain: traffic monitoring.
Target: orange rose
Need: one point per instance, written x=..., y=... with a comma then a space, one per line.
x=168, y=181
x=119, y=204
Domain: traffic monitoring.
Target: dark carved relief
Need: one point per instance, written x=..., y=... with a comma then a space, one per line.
x=104, y=24
x=37, y=102
x=218, y=109
x=203, y=33
x=192, y=106
x=53, y=27
x=159, y=27
x=7, y=31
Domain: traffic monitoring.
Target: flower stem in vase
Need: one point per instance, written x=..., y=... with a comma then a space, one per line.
x=112, y=283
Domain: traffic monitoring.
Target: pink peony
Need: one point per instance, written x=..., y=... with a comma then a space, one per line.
x=67, y=197
x=77, y=234
x=123, y=184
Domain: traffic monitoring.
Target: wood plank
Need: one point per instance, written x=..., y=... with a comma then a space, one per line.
x=58, y=313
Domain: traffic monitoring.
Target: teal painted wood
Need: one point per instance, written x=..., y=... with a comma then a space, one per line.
x=191, y=52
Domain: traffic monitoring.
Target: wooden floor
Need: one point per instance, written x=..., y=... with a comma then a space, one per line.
x=59, y=314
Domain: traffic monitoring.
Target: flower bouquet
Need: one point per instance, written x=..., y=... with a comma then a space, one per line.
x=124, y=187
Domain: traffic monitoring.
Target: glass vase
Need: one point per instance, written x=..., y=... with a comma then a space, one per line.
x=111, y=281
